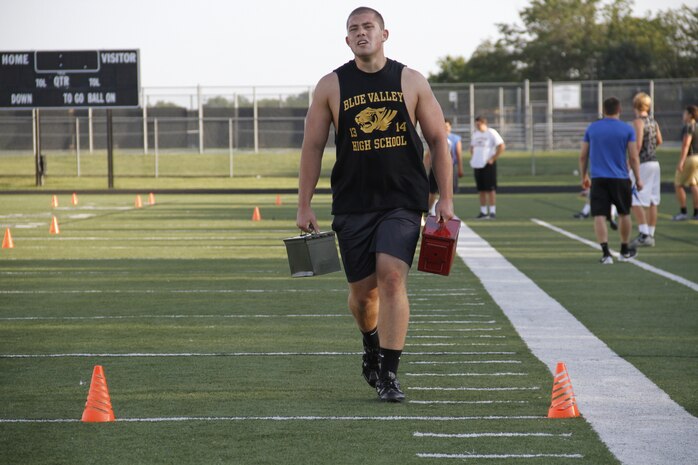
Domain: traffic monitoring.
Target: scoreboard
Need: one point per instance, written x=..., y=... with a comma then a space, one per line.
x=69, y=79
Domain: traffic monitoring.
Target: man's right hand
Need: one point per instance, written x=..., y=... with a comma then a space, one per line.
x=306, y=220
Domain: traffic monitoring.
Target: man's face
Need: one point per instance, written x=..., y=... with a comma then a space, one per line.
x=481, y=126
x=448, y=127
x=364, y=34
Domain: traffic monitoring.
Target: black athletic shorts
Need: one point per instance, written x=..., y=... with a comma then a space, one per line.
x=486, y=178
x=362, y=235
x=434, y=187
x=607, y=191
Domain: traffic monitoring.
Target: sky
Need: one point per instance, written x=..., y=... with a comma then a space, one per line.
x=256, y=42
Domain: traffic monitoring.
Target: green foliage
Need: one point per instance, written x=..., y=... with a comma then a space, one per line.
x=583, y=39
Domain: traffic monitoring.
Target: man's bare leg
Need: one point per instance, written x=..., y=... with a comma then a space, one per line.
x=363, y=304
x=393, y=320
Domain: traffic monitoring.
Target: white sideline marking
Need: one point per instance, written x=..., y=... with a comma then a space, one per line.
x=638, y=422
x=418, y=434
x=278, y=418
x=233, y=354
x=499, y=456
x=430, y=402
x=447, y=375
x=635, y=261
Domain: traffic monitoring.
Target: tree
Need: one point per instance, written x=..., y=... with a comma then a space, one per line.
x=585, y=40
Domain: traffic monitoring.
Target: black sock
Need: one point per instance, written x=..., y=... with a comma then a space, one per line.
x=695, y=212
x=390, y=359
x=371, y=339
x=604, y=247
x=624, y=248
x=683, y=210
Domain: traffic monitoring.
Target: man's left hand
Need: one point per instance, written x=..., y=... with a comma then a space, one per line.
x=444, y=209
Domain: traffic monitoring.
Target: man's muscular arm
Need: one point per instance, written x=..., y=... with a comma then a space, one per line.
x=317, y=127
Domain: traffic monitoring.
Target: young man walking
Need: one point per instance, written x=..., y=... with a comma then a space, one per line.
x=607, y=143
x=486, y=145
x=379, y=185
x=645, y=203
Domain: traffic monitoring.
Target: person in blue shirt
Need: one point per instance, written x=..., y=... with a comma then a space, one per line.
x=609, y=147
x=455, y=146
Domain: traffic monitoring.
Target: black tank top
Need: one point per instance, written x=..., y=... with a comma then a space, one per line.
x=379, y=153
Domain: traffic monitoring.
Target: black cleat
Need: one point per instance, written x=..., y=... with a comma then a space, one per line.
x=388, y=389
x=482, y=216
x=581, y=216
x=371, y=365
x=613, y=224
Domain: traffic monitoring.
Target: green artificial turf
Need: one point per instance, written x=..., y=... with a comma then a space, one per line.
x=194, y=275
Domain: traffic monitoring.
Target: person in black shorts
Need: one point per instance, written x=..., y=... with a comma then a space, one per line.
x=379, y=185
x=607, y=143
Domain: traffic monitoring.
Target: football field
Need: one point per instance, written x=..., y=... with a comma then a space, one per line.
x=214, y=354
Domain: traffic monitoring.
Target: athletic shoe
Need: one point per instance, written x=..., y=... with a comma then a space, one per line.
x=613, y=224
x=493, y=216
x=694, y=217
x=629, y=255
x=606, y=260
x=642, y=240
x=482, y=216
x=679, y=217
x=371, y=366
x=388, y=389
x=581, y=216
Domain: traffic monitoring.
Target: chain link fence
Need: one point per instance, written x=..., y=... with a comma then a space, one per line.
x=531, y=116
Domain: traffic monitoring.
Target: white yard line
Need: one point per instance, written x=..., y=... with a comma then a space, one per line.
x=638, y=421
x=279, y=418
x=236, y=354
x=419, y=434
x=499, y=456
x=444, y=402
x=131, y=317
x=636, y=262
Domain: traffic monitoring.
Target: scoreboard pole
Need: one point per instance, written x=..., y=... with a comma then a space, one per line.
x=38, y=165
x=110, y=150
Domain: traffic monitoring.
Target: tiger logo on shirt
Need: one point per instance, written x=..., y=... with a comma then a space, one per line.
x=370, y=119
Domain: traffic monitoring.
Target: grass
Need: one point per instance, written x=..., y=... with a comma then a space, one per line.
x=194, y=274
x=265, y=170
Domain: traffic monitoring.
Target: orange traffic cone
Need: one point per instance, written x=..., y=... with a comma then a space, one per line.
x=278, y=200
x=98, y=406
x=54, y=229
x=139, y=202
x=7, y=242
x=563, y=404
x=256, y=216
x=74, y=200
x=54, y=201
x=151, y=199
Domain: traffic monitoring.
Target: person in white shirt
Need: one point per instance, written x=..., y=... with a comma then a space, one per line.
x=486, y=145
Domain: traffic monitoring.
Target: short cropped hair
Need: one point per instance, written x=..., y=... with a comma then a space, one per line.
x=642, y=102
x=449, y=121
x=364, y=9
x=481, y=119
x=611, y=106
x=693, y=111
